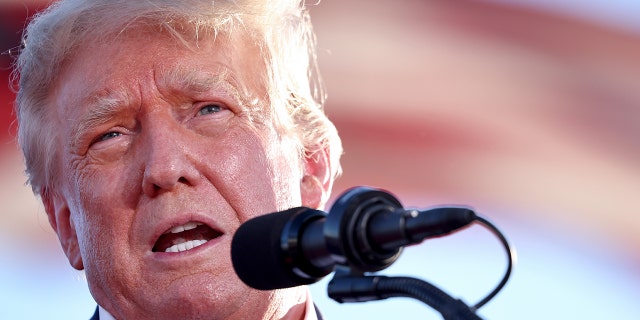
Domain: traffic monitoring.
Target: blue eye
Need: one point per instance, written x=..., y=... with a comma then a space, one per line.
x=209, y=109
x=109, y=135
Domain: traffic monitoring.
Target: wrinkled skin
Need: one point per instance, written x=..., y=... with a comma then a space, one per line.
x=143, y=150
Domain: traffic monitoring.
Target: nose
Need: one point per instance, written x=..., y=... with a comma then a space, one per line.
x=168, y=161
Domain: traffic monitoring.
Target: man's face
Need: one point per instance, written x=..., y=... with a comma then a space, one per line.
x=164, y=152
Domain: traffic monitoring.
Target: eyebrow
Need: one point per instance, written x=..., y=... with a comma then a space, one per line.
x=195, y=81
x=101, y=109
x=221, y=81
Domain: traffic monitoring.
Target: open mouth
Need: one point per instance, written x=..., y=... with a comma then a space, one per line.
x=185, y=237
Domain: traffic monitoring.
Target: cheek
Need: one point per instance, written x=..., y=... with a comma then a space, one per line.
x=106, y=177
x=108, y=188
x=104, y=199
x=287, y=173
x=269, y=174
x=250, y=187
x=91, y=236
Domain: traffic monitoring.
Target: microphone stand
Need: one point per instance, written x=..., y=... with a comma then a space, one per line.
x=347, y=287
x=356, y=254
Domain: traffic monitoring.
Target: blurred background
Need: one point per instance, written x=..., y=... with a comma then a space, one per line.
x=526, y=110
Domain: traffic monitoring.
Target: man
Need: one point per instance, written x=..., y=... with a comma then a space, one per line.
x=152, y=129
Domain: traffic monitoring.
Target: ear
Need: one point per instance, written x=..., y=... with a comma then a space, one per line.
x=60, y=219
x=316, y=183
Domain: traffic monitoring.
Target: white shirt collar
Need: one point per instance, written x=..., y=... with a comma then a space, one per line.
x=310, y=308
x=104, y=315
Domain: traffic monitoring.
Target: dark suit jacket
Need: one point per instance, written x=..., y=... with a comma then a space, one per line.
x=95, y=316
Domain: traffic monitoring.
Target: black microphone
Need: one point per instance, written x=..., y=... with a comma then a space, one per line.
x=365, y=230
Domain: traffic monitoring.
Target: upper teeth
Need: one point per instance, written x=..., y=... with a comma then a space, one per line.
x=184, y=227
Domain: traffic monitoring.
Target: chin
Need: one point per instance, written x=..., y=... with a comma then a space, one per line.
x=202, y=297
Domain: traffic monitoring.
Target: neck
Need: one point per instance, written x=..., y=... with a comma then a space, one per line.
x=284, y=304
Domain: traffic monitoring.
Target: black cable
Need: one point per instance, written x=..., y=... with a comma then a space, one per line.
x=450, y=308
x=348, y=288
x=511, y=257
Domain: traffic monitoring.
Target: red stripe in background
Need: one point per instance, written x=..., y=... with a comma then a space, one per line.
x=13, y=17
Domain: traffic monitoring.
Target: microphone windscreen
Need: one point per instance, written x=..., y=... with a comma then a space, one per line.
x=257, y=254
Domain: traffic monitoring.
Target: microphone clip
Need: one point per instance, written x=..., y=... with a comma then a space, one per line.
x=353, y=212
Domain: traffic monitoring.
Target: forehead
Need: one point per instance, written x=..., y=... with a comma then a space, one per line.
x=126, y=59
